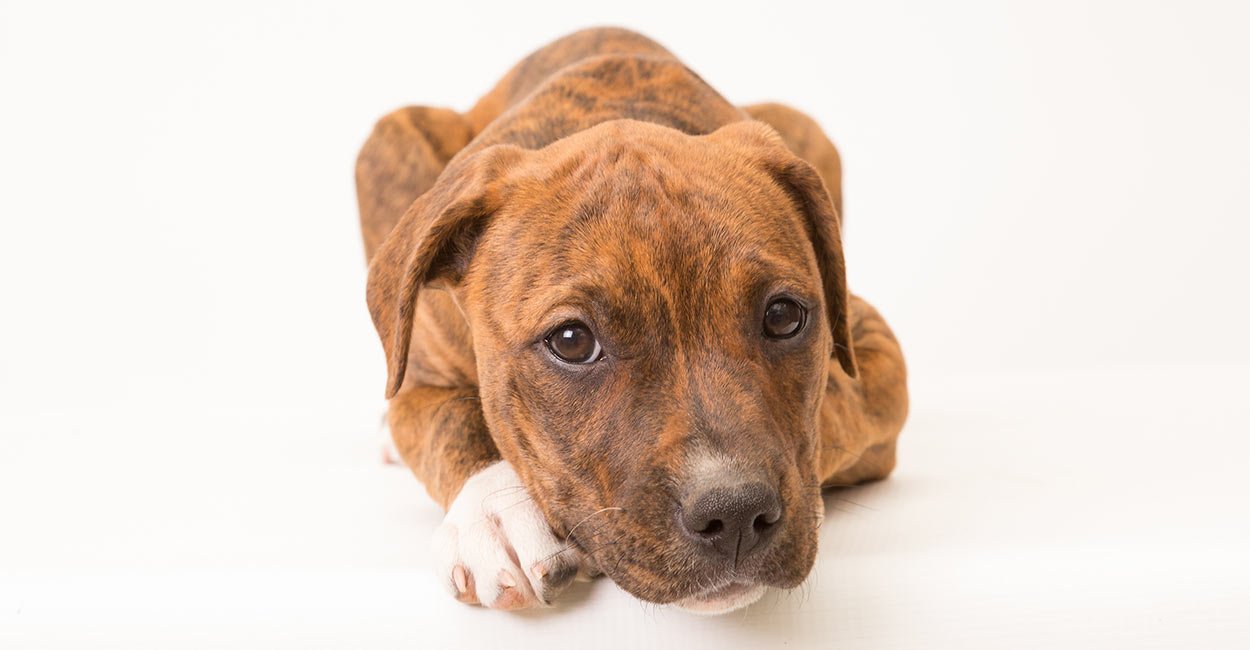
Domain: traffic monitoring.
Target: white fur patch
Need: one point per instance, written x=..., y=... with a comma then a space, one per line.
x=724, y=600
x=497, y=536
x=707, y=469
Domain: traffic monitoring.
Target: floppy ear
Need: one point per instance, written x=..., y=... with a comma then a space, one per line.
x=433, y=240
x=824, y=229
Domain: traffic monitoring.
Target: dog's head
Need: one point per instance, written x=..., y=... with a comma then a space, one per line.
x=653, y=317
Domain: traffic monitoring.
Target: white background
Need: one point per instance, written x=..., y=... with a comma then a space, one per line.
x=1049, y=201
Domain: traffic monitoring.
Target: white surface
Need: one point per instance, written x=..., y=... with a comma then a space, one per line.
x=1048, y=201
x=1015, y=518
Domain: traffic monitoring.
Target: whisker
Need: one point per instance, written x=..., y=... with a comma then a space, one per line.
x=587, y=517
x=513, y=489
x=857, y=457
x=578, y=525
x=855, y=503
x=510, y=488
x=516, y=503
x=438, y=408
x=832, y=485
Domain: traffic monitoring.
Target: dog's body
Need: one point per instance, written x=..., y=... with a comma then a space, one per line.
x=603, y=199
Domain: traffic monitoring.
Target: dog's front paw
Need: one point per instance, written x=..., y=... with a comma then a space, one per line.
x=495, y=547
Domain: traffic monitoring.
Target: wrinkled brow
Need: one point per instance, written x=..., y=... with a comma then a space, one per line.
x=624, y=311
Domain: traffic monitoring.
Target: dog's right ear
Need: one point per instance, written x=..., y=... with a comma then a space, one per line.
x=433, y=240
x=824, y=228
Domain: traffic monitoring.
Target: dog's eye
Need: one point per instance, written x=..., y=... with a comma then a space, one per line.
x=574, y=342
x=783, y=318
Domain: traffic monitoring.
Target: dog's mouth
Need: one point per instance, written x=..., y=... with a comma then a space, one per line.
x=651, y=553
x=723, y=599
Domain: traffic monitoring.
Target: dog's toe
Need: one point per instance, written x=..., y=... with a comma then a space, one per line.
x=495, y=547
x=551, y=578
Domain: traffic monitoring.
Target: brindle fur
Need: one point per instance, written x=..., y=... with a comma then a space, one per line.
x=603, y=180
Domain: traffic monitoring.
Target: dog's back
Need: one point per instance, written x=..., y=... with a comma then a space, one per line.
x=539, y=66
x=591, y=77
x=572, y=84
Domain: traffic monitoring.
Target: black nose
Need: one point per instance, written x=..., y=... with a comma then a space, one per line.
x=735, y=520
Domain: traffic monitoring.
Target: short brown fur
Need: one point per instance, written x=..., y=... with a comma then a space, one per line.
x=602, y=179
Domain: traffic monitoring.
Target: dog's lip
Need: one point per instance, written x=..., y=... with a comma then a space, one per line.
x=726, y=598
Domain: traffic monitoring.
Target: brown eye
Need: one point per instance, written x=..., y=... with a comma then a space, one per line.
x=783, y=318
x=573, y=342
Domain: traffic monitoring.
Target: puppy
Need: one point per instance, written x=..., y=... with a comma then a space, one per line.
x=617, y=330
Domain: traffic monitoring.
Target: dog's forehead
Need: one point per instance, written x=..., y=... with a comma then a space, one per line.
x=638, y=193
x=649, y=233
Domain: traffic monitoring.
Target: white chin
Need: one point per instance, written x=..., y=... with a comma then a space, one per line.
x=733, y=596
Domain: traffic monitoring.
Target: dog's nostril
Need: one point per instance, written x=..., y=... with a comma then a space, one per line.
x=713, y=527
x=733, y=519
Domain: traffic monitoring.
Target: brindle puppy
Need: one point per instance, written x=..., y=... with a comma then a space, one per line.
x=617, y=330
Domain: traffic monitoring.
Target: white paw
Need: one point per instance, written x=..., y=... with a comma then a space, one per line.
x=388, y=453
x=495, y=547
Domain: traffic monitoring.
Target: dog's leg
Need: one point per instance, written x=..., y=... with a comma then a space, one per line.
x=400, y=161
x=495, y=546
x=807, y=140
x=861, y=417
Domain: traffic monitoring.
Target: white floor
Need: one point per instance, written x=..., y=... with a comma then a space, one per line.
x=189, y=378
x=1090, y=511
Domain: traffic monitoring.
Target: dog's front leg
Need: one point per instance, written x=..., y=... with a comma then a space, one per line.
x=494, y=546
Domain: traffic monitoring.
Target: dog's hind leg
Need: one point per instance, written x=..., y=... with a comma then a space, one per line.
x=400, y=161
x=861, y=417
x=807, y=140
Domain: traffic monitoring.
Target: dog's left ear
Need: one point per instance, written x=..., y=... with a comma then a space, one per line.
x=824, y=229
x=433, y=241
